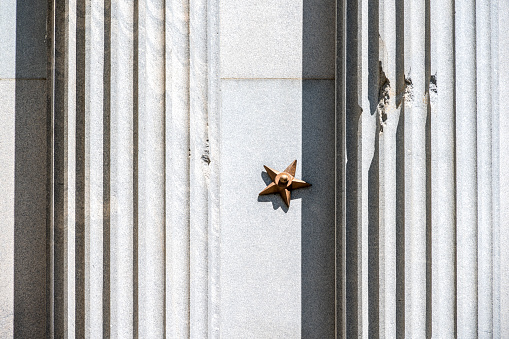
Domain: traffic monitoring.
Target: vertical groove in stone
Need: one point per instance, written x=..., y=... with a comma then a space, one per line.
x=340, y=181
x=372, y=303
x=95, y=161
x=484, y=167
x=106, y=106
x=151, y=179
x=214, y=225
x=136, y=108
x=177, y=169
x=466, y=170
x=74, y=264
x=81, y=238
x=418, y=102
x=60, y=183
x=433, y=111
x=444, y=193
x=368, y=175
x=353, y=324
x=199, y=168
x=366, y=145
x=503, y=52
x=121, y=194
x=50, y=253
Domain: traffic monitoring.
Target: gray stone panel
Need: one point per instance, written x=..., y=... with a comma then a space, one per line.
x=318, y=39
x=318, y=209
x=23, y=209
x=277, y=264
x=261, y=39
x=31, y=52
x=282, y=39
x=30, y=209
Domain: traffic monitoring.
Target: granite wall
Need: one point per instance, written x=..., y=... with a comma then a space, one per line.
x=133, y=136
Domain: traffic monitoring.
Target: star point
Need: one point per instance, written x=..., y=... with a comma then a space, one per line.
x=283, y=182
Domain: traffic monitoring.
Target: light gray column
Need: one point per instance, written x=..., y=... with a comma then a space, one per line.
x=443, y=193
x=7, y=154
x=503, y=21
x=199, y=168
x=94, y=157
x=123, y=224
x=389, y=124
x=177, y=169
x=495, y=182
x=151, y=234
x=484, y=164
x=7, y=165
x=466, y=169
x=418, y=112
x=214, y=222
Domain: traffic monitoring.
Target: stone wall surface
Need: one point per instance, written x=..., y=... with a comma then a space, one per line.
x=133, y=136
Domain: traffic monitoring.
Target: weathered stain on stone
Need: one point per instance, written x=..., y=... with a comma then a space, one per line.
x=384, y=96
x=206, y=153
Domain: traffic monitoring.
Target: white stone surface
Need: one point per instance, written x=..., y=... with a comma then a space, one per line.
x=260, y=237
x=7, y=115
x=443, y=193
x=273, y=278
x=466, y=169
x=503, y=21
x=484, y=168
x=177, y=169
x=261, y=39
x=8, y=39
x=151, y=209
x=277, y=39
x=121, y=176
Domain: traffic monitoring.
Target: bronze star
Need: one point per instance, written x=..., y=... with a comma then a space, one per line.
x=283, y=182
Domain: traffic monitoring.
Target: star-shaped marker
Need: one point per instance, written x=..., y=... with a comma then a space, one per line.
x=283, y=182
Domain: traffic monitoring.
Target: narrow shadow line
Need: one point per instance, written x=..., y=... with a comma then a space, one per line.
x=400, y=225
x=353, y=113
x=400, y=171
x=429, y=254
x=373, y=175
x=135, y=170
x=106, y=171
x=80, y=232
x=49, y=172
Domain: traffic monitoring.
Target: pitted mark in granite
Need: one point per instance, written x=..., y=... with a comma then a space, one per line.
x=384, y=96
x=433, y=89
x=409, y=90
x=433, y=83
x=206, y=153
